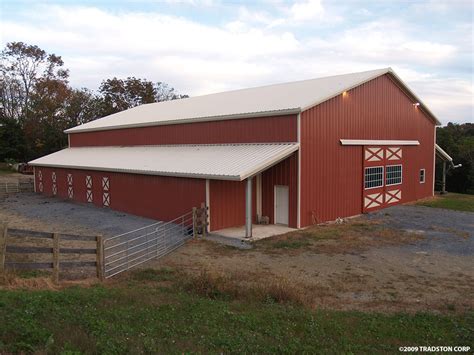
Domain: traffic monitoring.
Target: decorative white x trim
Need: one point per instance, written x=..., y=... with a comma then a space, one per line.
x=69, y=179
x=374, y=154
x=70, y=192
x=373, y=200
x=393, y=196
x=106, y=199
x=105, y=183
x=89, y=182
x=394, y=153
x=40, y=186
x=40, y=175
x=53, y=177
x=89, y=196
x=55, y=190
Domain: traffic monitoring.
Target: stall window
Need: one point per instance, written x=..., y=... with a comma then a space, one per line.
x=422, y=176
x=393, y=175
x=373, y=177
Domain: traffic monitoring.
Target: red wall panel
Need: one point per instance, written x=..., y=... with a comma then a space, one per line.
x=331, y=174
x=227, y=203
x=157, y=197
x=262, y=129
x=284, y=173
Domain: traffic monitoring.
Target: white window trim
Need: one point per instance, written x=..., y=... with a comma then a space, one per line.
x=424, y=176
x=401, y=176
x=383, y=175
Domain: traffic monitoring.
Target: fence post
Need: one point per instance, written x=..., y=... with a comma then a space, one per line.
x=100, y=258
x=3, y=246
x=55, y=258
x=194, y=222
x=204, y=221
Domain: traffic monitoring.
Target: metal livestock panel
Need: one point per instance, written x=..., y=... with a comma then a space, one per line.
x=284, y=173
x=332, y=175
x=156, y=197
x=253, y=130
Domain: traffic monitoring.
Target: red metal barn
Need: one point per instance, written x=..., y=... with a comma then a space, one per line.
x=298, y=153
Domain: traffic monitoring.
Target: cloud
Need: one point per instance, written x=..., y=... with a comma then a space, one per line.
x=306, y=10
x=250, y=47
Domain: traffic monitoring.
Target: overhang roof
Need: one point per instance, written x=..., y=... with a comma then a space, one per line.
x=221, y=162
x=442, y=154
x=278, y=99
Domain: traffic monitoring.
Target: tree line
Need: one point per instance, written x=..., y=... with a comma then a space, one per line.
x=458, y=141
x=37, y=103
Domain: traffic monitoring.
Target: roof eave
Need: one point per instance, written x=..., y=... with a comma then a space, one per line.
x=142, y=172
x=290, y=111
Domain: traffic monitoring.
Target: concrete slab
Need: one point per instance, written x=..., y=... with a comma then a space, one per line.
x=259, y=231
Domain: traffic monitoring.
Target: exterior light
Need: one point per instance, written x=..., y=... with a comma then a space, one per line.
x=344, y=93
x=416, y=104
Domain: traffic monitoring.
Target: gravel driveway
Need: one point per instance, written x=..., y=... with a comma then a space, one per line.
x=32, y=211
x=444, y=231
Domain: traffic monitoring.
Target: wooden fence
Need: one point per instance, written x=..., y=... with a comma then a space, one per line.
x=54, y=250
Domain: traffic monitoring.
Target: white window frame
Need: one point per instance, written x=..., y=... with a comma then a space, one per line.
x=383, y=177
x=424, y=176
x=401, y=175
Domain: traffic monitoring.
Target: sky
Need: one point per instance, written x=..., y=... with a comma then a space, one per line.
x=205, y=46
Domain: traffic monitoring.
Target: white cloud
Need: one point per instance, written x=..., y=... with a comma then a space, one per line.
x=255, y=48
x=307, y=10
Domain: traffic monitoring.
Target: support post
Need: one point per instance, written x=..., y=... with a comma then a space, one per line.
x=3, y=246
x=443, y=181
x=248, y=209
x=100, y=258
x=194, y=222
x=55, y=258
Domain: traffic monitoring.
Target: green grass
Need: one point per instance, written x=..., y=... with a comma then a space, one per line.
x=141, y=314
x=451, y=201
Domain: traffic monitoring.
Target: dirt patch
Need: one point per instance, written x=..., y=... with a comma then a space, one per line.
x=382, y=277
x=347, y=238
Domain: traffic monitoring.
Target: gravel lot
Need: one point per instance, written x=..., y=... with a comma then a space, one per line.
x=33, y=211
x=432, y=273
x=444, y=231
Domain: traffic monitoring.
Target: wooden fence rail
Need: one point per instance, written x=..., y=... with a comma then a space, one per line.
x=55, y=251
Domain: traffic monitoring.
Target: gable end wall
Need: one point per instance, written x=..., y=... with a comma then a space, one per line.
x=332, y=175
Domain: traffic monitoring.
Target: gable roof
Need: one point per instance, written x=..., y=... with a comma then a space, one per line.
x=278, y=99
x=206, y=161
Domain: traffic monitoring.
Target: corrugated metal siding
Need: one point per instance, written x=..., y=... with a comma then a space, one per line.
x=227, y=203
x=158, y=197
x=284, y=173
x=227, y=198
x=331, y=174
x=255, y=130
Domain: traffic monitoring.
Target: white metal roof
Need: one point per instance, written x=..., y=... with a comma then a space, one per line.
x=286, y=98
x=222, y=162
x=442, y=154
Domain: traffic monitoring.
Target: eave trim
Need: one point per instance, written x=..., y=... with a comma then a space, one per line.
x=376, y=142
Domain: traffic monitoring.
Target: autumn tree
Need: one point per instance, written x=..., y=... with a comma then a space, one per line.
x=122, y=94
x=22, y=66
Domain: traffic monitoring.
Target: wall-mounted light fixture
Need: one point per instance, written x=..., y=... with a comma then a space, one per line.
x=416, y=104
x=344, y=93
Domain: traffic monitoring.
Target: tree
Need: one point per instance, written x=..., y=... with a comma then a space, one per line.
x=22, y=66
x=118, y=94
x=458, y=141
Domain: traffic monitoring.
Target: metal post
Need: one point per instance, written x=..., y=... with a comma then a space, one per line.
x=248, y=209
x=443, y=183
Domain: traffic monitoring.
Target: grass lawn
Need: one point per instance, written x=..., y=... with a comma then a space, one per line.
x=451, y=201
x=165, y=312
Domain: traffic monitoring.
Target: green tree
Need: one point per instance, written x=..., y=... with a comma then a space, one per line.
x=458, y=141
